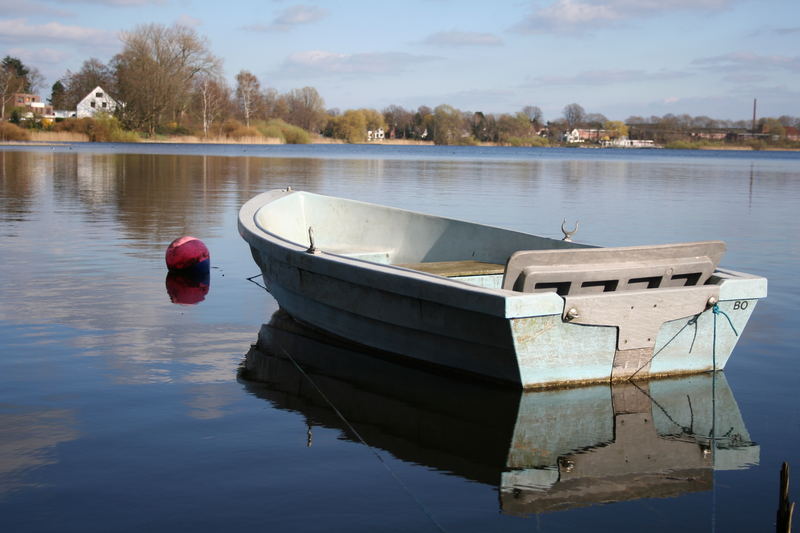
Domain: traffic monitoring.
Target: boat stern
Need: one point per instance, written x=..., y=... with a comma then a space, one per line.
x=637, y=334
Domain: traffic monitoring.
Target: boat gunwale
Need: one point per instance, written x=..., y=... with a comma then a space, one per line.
x=494, y=301
x=503, y=303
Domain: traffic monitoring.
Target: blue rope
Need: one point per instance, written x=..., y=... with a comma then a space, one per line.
x=718, y=311
x=693, y=322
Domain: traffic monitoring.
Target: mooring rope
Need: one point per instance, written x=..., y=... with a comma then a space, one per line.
x=718, y=311
x=691, y=321
x=684, y=429
x=364, y=442
x=252, y=279
x=715, y=310
x=354, y=431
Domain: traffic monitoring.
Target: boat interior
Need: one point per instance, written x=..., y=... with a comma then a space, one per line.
x=483, y=255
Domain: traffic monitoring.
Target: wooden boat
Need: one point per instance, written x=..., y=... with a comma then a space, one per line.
x=501, y=304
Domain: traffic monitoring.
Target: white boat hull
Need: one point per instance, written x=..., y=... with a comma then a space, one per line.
x=504, y=335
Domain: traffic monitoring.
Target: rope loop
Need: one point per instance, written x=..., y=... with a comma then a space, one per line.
x=717, y=311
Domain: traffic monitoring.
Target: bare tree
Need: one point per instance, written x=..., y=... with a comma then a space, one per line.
x=574, y=114
x=10, y=83
x=93, y=73
x=399, y=120
x=248, y=91
x=595, y=120
x=35, y=80
x=306, y=108
x=211, y=100
x=155, y=72
x=275, y=105
x=534, y=114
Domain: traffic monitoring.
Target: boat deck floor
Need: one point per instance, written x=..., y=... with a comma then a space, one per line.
x=453, y=269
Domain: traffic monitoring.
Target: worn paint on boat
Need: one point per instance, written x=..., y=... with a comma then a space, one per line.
x=358, y=271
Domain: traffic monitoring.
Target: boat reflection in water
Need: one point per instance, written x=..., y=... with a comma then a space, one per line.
x=546, y=450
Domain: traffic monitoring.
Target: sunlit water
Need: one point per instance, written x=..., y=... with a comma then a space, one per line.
x=120, y=410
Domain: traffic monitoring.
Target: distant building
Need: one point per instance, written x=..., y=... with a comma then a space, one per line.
x=97, y=101
x=709, y=135
x=63, y=113
x=25, y=99
x=377, y=135
x=624, y=142
x=573, y=136
x=579, y=135
x=32, y=104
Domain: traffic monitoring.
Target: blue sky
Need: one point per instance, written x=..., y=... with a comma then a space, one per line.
x=616, y=57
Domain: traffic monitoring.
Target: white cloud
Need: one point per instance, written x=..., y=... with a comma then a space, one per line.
x=462, y=38
x=321, y=62
x=671, y=100
x=747, y=68
x=49, y=56
x=770, y=30
x=300, y=14
x=571, y=12
x=15, y=8
x=291, y=17
x=608, y=77
x=575, y=15
x=736, y=62
x=115, y=3
x=188, y=20
x=18, y=30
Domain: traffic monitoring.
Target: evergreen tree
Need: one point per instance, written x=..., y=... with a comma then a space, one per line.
x=57, y=95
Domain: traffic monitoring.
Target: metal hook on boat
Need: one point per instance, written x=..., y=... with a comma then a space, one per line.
x=311, y=248
x=568, y=234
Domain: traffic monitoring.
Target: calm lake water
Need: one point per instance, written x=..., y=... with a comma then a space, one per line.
x=121, y=411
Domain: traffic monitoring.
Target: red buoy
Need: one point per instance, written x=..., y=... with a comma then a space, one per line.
x=188, y=253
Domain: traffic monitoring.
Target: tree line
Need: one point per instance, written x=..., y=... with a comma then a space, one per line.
x=169, y=82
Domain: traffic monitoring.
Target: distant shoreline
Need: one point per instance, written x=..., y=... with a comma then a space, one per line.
x=65, y=138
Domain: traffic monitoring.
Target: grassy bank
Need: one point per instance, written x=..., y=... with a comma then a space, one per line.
x=754, y=145
x=285, y=134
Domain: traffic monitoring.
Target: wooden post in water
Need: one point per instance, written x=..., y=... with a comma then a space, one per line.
x=783, y=523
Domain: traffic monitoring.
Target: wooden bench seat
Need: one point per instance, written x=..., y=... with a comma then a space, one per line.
x=591, y=270
x=455, y=269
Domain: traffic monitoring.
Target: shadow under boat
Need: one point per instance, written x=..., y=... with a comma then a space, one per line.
x=545, y=450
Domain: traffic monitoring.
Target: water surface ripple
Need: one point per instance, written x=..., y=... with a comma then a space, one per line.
x=120, y=410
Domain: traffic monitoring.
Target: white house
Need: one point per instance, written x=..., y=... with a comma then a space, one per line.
x=63, y=113
x=573, y=136
x=377, y=135
x=97, y=101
